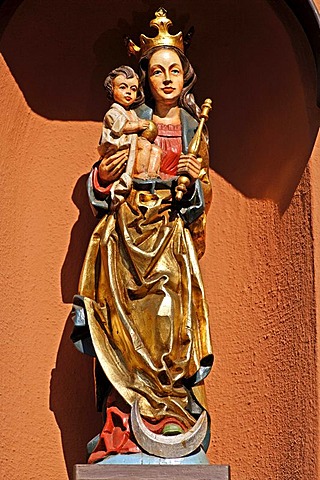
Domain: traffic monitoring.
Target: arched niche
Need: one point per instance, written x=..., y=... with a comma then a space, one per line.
x=309, y=18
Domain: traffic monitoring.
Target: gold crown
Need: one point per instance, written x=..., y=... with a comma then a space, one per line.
x=162, y=23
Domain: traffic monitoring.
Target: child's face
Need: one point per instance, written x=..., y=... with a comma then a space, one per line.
x=125, y=90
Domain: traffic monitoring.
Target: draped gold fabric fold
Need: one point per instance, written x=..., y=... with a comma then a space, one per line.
x=145, y=303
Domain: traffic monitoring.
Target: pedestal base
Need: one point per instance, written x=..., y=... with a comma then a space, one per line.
x=143, y=458
x=151, y=472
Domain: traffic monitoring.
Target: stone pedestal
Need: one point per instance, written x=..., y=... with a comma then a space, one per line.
x=151, y=472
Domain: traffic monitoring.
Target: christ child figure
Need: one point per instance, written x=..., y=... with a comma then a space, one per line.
x=123, y=129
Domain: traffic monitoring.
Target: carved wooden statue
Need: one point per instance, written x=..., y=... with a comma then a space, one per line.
x=141, y=309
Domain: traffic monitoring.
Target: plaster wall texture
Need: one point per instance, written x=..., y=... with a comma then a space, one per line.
x=315, y=202
x=262, y=264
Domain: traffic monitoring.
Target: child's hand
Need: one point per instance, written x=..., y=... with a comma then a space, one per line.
x=143, y=124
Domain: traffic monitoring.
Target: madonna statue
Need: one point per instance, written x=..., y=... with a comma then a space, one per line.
x=141, y=308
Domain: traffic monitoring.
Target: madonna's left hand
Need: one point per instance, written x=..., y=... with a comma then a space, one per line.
x=189, y=165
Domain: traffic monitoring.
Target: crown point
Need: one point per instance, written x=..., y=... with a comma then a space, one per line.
x=162, y=39
x=132, y=48
x=161, y=12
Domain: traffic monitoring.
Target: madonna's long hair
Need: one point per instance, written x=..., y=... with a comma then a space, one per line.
x=186, y=99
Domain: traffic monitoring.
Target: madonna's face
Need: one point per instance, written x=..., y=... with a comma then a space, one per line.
x=165, y=76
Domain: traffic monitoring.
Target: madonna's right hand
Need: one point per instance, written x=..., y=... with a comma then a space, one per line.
x=111, y=168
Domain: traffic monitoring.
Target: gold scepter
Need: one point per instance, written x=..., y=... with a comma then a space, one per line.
x=194, y=145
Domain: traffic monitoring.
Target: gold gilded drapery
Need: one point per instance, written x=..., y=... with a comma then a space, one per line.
x=145, y=303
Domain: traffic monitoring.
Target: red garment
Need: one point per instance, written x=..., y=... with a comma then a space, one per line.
x=102, y=191
x=169, y=139
x=116, y=436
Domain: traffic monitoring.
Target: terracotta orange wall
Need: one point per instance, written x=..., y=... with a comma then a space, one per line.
x=261, y=268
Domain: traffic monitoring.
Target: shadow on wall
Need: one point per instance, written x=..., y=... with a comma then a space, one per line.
x=72, y=400
x=79, y=240
x=252, y=58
